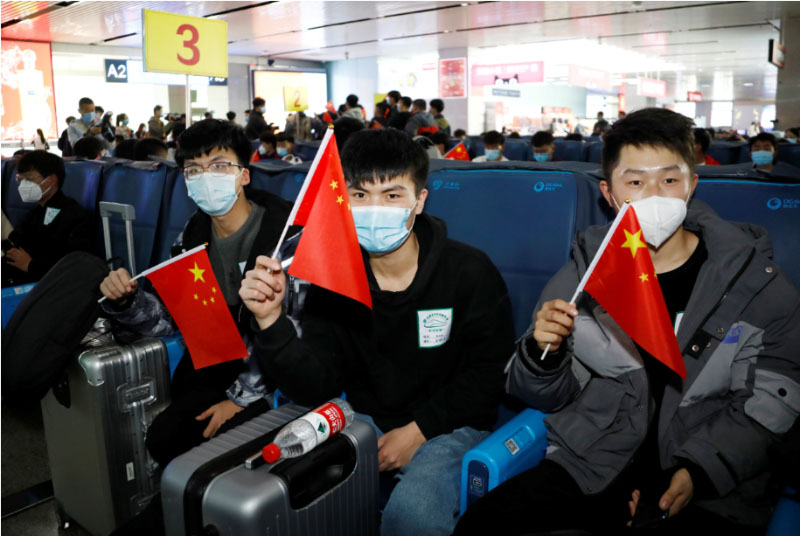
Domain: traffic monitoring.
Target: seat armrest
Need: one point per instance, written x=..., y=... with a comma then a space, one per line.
x=516, y=446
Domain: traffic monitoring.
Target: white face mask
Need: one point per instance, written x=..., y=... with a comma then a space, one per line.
x=659, y=217
x=30, y=192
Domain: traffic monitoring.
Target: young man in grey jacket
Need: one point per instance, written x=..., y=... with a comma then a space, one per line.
x=629, y=442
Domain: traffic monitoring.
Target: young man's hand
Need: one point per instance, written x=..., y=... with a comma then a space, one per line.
x=263, y=289
x=220, y=413
x=554, y=322
x=675, y=499
x=397, y=447
x=118, y=285
x=19, y=258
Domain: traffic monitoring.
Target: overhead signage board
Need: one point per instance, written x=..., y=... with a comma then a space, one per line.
x=117, y=71
x=504, y=92
x=295, y=99
x=649, y=87
x=589, y=78
x=506, y=74
x=694, y=96
x=184, y=45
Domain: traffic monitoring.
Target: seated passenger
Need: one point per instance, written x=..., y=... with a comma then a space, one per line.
x=286, y=148
x=764, y=154
x=125, y=149
x=57, y=225
x=460, y=134
x=791, y=135
x=425, y=365
x=543, y=146
x=702, y=141
x=236, y=225
x=268, y=148
x=399, y=119
x=573, y=137
x=421, y=121
x=147, y=147
x=440, y=140
x=493, y=148
x=380, y=118
x=625, y=432
x=88, y=147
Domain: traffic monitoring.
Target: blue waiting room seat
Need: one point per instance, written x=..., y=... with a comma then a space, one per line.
x=569, y=151
x=279, y=178
x=176, y=210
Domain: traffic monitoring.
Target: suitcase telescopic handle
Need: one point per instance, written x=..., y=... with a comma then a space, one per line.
x=128, y=214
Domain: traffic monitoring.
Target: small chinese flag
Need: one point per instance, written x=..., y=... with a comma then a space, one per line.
x=624, y=282
x=459, y=152
x=190, y=292
x=328, y=254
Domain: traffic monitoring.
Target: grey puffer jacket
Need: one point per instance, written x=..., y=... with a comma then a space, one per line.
x=740, y=338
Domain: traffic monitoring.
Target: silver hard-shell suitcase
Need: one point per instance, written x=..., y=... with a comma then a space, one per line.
x=95, y=424
x=330, y=491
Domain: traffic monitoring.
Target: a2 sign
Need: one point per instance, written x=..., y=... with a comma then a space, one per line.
x=118, y=71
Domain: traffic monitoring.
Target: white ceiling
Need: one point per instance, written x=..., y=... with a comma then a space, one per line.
x=719, y=45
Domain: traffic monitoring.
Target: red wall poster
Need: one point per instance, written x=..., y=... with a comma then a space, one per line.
x=27, y=91
x=453, y=78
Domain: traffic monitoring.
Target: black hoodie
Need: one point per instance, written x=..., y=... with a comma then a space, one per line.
x=396, y=362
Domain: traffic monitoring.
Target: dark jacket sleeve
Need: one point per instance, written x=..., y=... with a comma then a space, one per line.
x=472, y=396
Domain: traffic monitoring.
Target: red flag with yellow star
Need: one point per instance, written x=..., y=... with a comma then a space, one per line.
x=190, y=292
x=459, y=152
x=328, y=254
x=624, y=282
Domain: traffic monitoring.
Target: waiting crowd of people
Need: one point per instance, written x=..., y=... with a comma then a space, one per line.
x=624, y=432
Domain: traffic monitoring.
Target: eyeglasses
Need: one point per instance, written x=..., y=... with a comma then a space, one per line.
x=217, y=168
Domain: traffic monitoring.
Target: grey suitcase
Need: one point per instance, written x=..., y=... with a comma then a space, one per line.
x=95, y=425
x=332, y=490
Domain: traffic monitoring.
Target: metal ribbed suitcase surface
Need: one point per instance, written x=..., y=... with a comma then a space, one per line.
x=95, y=427
x=202, y=496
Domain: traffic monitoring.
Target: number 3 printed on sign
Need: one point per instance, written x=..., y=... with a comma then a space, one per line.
x=190, y=44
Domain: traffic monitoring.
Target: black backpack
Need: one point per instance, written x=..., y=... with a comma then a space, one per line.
x=46, y=329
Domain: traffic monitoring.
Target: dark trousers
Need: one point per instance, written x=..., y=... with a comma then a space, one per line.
x=546, y=499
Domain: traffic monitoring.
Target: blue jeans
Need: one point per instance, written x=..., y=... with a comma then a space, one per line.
x=425, y=500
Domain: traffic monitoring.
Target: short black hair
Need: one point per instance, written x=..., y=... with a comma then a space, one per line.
x=70, y=119
x=406, y=101
x=371, y=156
x=125, y=149
x=352, y=100
x=157, y=107
x=121, y=118
x=702, y=138
x=542, y=138
x=99, y=109
x=459, y=132
x=573, y=137
x=148, y=147
x=440, y=137
x=600, y=114
x=396, y=95
x=794, y=130
x=230, y=116
x=209, y=134
x=343, y=128
x=258, y=102
x=268, y=137
x=437, y=104
x=88, y=147
x=649, y=127
x=764, y=136
x=420, y=104
x=84, y=101
x=44, y=163
x=283, y=136
x=493, y=138
x=119, y=138
x=383, y=107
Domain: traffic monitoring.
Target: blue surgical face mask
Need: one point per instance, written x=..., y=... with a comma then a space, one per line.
x=492, y=154
x=541, y=157
x=214, y=193
x=381, y=229
x=791, y=140
x=125, y=122
x=88, y=117
x=283, y=151
x=762, y=158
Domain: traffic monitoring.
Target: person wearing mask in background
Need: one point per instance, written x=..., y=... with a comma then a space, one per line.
x=268, y=150
x=492, y=148
x=702, y=141
x=421, y=121
x=57, y=225
x=600, y=126
x=544, y=146
x=286, y=147
x=380, y=117
x=141, y=132
x=88, y=124
x=180, y=126
x=122, y=128
x=63, y=142
x=231, y=116
x=440, y=140
x=256, y=125
x=399, y=119
x=39, y=141
x=764, y=153
x=89, y=147
x=437, y=107
x=353, y=108
x=155, y=127
x=148, y=147
x=392, y=98
x=246, y=116
x=791, y=135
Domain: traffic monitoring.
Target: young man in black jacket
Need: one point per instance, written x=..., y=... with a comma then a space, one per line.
x=55, y=226
x=425, y=365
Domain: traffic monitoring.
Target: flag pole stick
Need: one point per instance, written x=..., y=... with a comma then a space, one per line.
x=595, y=260
x=299, y=200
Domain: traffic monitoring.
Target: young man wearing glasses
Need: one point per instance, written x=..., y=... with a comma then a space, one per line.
x=55, y=226
x=237, y=226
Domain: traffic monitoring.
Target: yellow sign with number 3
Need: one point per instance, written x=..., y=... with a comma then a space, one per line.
x=187, y=45
x=295, y=99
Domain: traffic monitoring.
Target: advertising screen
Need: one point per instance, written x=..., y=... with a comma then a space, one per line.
x=27, y=91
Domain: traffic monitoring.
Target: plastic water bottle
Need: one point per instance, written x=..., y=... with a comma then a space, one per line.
x=308, y=431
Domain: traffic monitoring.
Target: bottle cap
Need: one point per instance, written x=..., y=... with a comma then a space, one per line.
x=271, y=453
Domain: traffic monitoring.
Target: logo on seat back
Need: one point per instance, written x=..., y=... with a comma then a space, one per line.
x=776, y=203
x=547, y=186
